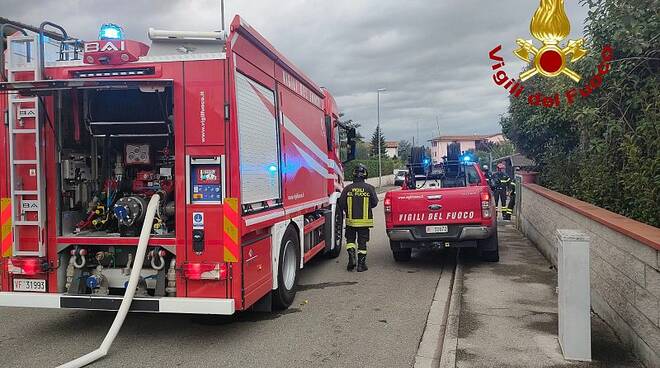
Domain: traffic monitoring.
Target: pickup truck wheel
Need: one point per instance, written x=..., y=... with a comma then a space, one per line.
x=400, y=254
x=489, y=249
x=339, y=226
x=287, y=271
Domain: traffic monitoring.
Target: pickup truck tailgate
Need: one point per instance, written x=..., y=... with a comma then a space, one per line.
x=427, y=207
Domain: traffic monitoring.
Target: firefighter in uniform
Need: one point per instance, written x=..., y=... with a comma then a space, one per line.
x=501, y=183
x=508, y=211
x=488, y=175
x=357, y=201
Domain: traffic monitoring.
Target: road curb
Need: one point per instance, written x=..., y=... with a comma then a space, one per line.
x=430, y=346
x=450, y=339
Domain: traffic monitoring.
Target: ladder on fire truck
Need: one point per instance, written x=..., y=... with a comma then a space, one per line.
x=25, y=148
x=26, y=57
x=25, y=63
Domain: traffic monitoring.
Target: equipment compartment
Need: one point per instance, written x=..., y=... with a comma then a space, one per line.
x=117, y=150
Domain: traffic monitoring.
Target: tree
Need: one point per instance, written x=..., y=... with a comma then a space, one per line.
x=404, y=150
x=502, y=149
x=378, y=135
x=486, y=150
x=604, y=149
x=363, y=150
x=353, y=124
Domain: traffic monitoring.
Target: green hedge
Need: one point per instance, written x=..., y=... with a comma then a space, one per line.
x=604, y=149
x=387, y=166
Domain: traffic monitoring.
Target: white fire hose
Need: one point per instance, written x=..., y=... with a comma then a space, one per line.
x=130, y=291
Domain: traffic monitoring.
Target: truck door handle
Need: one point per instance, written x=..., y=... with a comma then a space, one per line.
x=435, y=207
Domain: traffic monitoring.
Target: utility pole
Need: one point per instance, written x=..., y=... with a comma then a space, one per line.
x=380, y=167
x=222, y=13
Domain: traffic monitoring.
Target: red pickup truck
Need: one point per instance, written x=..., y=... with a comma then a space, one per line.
x=452, y=208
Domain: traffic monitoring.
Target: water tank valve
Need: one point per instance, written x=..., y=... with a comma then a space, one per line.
x=98, y=283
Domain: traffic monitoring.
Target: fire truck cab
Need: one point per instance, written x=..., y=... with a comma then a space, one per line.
x=244, y=151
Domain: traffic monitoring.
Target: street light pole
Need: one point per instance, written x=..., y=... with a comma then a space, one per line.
x=222, y=13
x=380, y=167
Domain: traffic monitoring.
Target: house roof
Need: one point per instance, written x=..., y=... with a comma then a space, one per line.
x=517, y=159
x=473, y=137
x=391, y=144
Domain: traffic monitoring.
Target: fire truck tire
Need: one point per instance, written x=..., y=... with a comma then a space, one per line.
x=287, y=272
x=339, y=226
x=400, y=254
x=489, y=249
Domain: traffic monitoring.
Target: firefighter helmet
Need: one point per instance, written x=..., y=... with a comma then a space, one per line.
x=360, y=171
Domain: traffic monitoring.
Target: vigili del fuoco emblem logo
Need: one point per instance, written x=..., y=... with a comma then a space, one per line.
x=550, y=26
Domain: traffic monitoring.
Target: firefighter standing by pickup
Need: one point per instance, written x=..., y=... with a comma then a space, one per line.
x=508, y=210
x=357, y=201
x=501, y=183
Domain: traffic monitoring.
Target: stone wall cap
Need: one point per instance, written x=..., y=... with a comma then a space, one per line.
x=572, y=235
x=644, y=233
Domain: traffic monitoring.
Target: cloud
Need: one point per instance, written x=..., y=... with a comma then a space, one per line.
x=431, y=55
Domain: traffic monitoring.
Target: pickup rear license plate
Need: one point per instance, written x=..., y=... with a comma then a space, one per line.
x=437, y=229
x=33, y=285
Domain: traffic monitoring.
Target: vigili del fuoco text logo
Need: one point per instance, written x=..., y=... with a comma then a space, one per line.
x=550, y=26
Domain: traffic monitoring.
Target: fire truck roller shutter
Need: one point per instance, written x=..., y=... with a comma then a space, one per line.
x=259, y=149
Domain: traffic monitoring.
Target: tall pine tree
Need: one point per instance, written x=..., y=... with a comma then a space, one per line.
x=378, y=135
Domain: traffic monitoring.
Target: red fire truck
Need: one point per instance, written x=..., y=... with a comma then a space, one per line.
x=241, y=149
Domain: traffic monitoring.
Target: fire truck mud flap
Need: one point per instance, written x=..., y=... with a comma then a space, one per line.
x=112, y=303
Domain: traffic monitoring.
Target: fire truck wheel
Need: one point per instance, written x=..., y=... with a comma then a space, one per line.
x=489, y=249
x=400, y=254
x=287, y=273
x=339, y=225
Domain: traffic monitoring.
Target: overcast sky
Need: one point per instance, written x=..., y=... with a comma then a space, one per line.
x=431, y=55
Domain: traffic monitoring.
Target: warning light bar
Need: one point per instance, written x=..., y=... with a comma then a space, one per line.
x=466, y=158
x=114, y=72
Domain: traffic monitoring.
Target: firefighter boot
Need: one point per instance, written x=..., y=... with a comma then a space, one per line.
x=351, y=259
x=362, y=262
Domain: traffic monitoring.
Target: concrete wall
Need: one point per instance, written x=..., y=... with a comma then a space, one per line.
x=625, y=263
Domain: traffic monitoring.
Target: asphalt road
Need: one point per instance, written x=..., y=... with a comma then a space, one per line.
x=338, y=319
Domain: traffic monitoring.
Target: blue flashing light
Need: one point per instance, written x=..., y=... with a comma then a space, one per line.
x=272, y=168
x=111, y=31
x=466, y=159
x=426, y=161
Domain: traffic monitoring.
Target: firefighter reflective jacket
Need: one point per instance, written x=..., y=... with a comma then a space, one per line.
x=357, y=200
x=501, y=181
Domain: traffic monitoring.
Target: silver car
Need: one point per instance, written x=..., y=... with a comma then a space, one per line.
x=399, y=177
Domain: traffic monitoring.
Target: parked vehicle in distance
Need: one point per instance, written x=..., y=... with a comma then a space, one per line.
x=399, y=177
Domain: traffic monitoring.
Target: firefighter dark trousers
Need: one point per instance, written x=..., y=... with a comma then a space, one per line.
x=508, y=210
x=361, y=234
x=500, y=197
